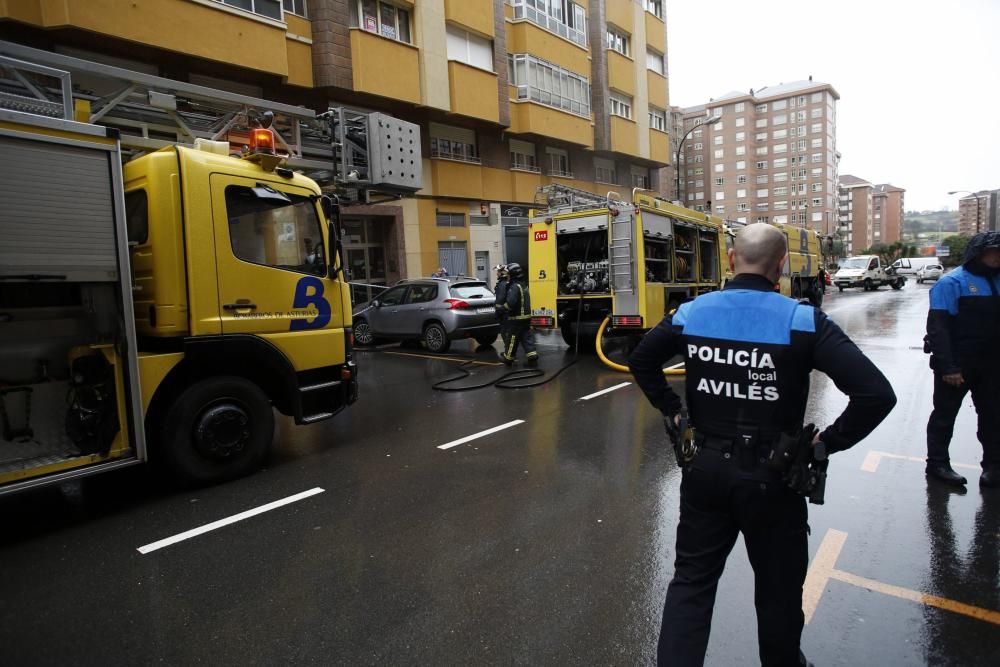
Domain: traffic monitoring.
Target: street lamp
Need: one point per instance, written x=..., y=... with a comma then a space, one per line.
x=977, y=196
x=677, y=160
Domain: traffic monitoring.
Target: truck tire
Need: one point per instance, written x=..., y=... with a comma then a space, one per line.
x=436, y=338
x=869, y=286
x=217, y=429
x=816, y=295
x=840, y=288
x=897, y=284
x=588, y=338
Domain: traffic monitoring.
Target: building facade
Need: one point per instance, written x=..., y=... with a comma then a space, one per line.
x=510, y=95
x=855, y=213
x=977, y=212
x=770, y=157
x=887, y=213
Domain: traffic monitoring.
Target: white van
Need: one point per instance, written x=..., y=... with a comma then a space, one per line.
x=908, y=266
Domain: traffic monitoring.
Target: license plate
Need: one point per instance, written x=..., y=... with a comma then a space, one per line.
x=485, y=310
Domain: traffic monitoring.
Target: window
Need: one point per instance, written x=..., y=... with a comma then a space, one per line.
x=421, y=294
x=816, y=187
x=762, y=206
x=469, y=49
x=658, y=119
x=717, y=140
x=780, y=119
x=761, y=150
x=522, y=155
x=640, y=177
x=698, y=146
x=720, y=209
x=548, y=84
x=274, y=228
x=621, y=105
x=800, y=116
x=718, y=126
x=137, y=216
x=559, y=162
x=720, y=195
x=762, y=164
x=739, y=107
x=295, y=7
x=381, y=18
x=743, y=206
x=816, y=128
x=741, y=121
x=762, y=192
x=817, y=143
x=817, y=157
x=697, y=133
x=269, y=8
x=816, y=113
x=817, y=201
x=741, y=136
x=480, y=220
x=741, y=165
x=741, y=193
x=761, y=178
x=453, y=143
x=655, y=61
x=719, y=168
x=618, y=41
x=761, y=108
x=741, y=150
x=394, y=296
x=562, y=17
x=780, y=162
x=817, y=172
x=654, y=7
x=760, y=122
x=816, y=97
x=781, y=191
x=450, y=219
x=779, y=105
x=779, y=134
x=604, y=171
x=780, y=177
x=719, y=181
x=760, y=136
x=800, y=145
x=781, y=148
x=800, y=131
x=817, y=216
x=717, y=112
x=781, y=205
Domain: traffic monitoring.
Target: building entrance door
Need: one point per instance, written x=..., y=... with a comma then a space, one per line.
x=364, y=253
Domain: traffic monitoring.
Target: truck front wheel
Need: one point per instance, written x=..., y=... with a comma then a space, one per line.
x=216, y=429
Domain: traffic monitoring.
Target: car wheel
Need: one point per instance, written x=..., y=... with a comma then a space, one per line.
x=486, y=339
x=435, y=338
x=363, y=335
x=216, y=429
x=898, y=285
x=840, y=288
x=868, y=285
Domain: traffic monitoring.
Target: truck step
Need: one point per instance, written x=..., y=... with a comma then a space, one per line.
x=318, y=417
x=320, y=386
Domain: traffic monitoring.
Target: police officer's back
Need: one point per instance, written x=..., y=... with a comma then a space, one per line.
x=748, y=353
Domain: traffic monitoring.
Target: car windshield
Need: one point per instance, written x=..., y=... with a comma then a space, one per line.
x=471, y=291
x=855, y=263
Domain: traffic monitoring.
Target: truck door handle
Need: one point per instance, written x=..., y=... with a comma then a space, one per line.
x=239, y=305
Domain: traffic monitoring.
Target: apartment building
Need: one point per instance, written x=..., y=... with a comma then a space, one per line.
x=887, y=213
x=766, y=156
x=977, y=212
x=855, y=213
x=510, y=95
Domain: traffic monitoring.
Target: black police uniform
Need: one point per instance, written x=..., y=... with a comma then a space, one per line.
x=748, y=353
x=963, y=332
x=518, y=306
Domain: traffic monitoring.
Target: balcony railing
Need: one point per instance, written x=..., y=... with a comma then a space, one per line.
x=523, y=10
x=458, y=156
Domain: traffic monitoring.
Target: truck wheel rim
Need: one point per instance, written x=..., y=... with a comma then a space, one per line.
x=222, y=431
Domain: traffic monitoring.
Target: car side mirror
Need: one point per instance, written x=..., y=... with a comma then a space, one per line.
x=376, y=303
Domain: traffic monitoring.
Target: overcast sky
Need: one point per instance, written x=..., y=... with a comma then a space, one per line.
x=907, y=71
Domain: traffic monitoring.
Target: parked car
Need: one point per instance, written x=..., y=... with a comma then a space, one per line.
x=929, y=272
x=434, y=311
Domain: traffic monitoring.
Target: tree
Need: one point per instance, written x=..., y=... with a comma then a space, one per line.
x=956, y=249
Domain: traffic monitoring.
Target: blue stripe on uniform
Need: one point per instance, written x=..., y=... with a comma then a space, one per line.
x=746, y=315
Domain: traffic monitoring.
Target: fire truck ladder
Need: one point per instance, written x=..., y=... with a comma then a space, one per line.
x=151, y=111
x=558, y=198
x=622, y=261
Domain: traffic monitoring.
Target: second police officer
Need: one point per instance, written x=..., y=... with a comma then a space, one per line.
x=517, y=307
x=748, y=353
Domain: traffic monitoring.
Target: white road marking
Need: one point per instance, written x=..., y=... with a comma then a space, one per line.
x=604, y=391
x=460, y=441
x=180, y=537
x=874, y=457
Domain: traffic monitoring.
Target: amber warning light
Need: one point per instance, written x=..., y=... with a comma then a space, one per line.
x=262, y=141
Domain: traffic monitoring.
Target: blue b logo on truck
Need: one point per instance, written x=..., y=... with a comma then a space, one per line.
x=309, y=295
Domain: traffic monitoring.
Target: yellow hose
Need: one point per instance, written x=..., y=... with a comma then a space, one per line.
x=619, y=367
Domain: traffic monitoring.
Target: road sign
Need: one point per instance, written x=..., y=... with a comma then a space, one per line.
x=943, y=251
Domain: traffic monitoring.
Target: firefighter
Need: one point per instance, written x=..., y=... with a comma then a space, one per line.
x=963, y=328
x=500, y=290
x=748, y=353
x=517, y=306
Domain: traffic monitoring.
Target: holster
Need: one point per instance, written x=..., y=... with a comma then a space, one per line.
x=682, y=438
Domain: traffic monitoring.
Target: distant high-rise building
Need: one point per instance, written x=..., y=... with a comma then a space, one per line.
x=977, y=212
x=772, y=156
x=854, y=213
x=887, y=213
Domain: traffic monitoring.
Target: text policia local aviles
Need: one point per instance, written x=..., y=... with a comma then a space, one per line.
x=752, y=359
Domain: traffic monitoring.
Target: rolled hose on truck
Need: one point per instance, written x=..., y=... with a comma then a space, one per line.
x=617, y=366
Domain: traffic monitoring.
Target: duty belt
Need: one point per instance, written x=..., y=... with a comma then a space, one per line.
x=748, y=452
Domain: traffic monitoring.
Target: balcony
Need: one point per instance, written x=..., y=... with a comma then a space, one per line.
x=385, y=67
x=624, y=136
x=621, y=14
x=656, y=33
x=521, y=11
x=476, y=15
x=621, y=73
x=533, y=118
x=452, y=178
x=656, y=85
x=659, y=146
x=525, y=37
x=473, y=92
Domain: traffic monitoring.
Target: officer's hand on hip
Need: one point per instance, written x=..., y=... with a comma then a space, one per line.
x=954, y=379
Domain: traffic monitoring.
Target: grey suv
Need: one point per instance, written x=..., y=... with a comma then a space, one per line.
x=434, y=311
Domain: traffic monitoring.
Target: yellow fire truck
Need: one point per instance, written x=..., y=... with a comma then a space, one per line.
x=802, y=277
x=160, y=311
x=596, y=258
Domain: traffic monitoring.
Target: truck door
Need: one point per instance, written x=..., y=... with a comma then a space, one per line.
x=272, y=269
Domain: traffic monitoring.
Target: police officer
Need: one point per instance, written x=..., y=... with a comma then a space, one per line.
x=500, y=291
x=748, y=353
x=963, y=330
x=518, y=311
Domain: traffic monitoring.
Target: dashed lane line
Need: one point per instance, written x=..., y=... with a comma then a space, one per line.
x=823, y=569
x=201, y=530
x=489, y=431
x=605, y=391
x=874, y=457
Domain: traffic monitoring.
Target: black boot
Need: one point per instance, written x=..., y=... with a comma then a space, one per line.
x=990, y=478
x=943, y=472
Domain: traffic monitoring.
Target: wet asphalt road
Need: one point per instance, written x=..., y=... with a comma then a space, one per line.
x=547, y=543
